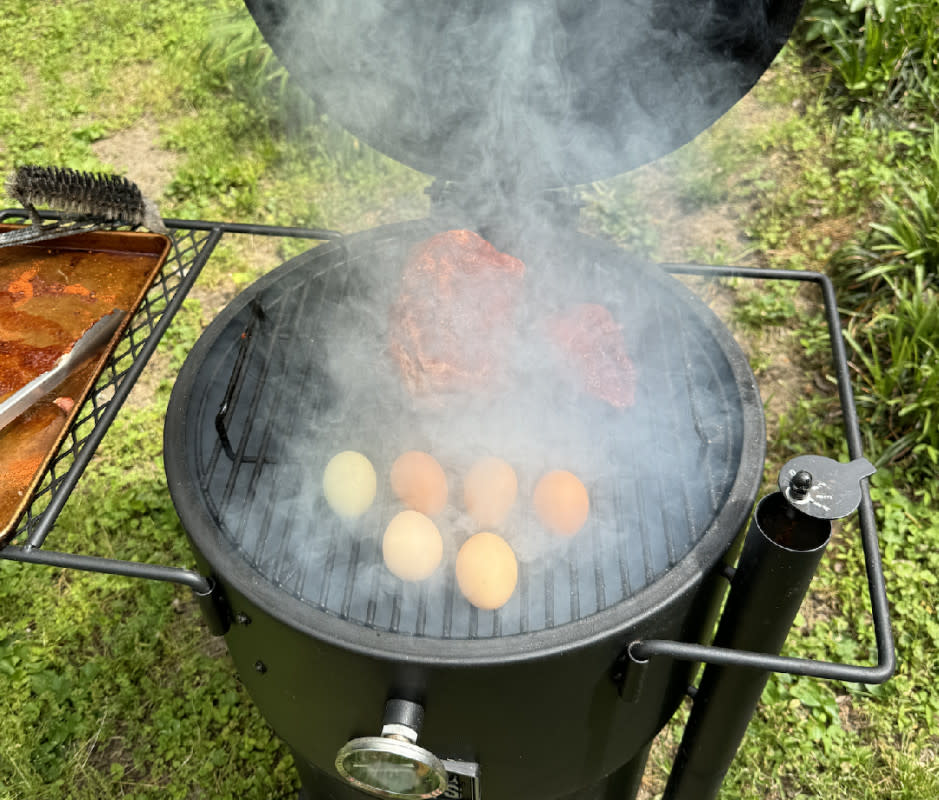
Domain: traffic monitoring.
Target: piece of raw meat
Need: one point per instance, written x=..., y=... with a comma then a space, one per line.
x=453, y=318
x=592, y=343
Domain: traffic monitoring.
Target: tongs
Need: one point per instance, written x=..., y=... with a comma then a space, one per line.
x=89, y=342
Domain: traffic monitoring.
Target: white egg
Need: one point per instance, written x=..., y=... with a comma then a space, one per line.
x=349, y=484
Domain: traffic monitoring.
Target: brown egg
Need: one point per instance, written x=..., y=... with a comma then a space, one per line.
x=412, y=546
x=486, y=570
x=489, y=491
x=561, y=502
x=418, y=480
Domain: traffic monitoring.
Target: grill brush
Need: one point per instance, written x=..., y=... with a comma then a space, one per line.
x=87, y=201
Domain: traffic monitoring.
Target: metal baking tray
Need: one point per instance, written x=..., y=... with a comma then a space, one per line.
x=53, y=290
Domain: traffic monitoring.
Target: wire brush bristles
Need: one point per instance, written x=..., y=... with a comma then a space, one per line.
x=107, y=197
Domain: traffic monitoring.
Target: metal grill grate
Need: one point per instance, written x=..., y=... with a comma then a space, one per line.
x=258, y=492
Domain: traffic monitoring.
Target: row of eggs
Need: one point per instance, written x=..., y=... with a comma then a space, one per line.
x=412, y=547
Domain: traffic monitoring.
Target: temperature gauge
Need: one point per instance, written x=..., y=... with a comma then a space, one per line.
x=393, y=765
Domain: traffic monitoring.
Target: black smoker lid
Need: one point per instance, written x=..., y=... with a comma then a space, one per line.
x=528, y=93
x=687, y=469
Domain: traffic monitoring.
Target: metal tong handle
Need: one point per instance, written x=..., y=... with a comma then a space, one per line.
x=40, y=233
x=90, y=341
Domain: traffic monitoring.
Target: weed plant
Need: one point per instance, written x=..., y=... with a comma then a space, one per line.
x=897, y=351
x=908, y=233
x=882, y=54
x=243, y=64
x=883, y=60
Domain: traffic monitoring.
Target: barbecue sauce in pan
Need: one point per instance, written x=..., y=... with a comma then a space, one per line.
x=50, y=294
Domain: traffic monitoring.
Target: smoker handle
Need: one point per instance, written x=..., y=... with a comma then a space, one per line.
x=234, y=382
x=639, y=652
x=204, y=589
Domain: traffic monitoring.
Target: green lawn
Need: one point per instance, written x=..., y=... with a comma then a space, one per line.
x=115, y=689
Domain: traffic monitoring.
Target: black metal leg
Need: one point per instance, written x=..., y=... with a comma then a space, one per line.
x=778, y=561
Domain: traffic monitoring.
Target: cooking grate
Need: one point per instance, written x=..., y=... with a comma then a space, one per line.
x=262, y=382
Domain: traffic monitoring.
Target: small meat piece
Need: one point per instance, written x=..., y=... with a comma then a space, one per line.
x=65, y=403
x=592, y=343
x=454, y=313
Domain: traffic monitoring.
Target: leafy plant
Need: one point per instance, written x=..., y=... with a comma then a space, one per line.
x=882, y=52
x=767, y=305
x=616, y=208
x=239, y=60
x=908, y=232
x=898, y=382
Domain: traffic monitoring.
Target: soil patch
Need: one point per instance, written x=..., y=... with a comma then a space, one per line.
x=136, y=153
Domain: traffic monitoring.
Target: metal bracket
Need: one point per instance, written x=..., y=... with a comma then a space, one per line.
x=204, y=589
x=628, y=675
x=462, y=780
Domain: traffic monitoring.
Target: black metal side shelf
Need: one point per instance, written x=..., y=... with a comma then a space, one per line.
x=188, y=254
x=640, y=652
x=192, y=243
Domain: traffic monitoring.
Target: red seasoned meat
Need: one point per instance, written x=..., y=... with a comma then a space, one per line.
x=450, y=324
x=592, y=343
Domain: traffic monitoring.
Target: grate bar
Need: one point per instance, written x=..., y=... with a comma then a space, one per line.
x=421, y=624
x=350, y=579
x=448, y=609
x=524, y=599
x=677, y=486
x=371, y=608
x=598, y=579
x=725, y=458
x=328, y=568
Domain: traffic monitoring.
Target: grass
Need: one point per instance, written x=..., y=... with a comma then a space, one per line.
x=113, y=687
